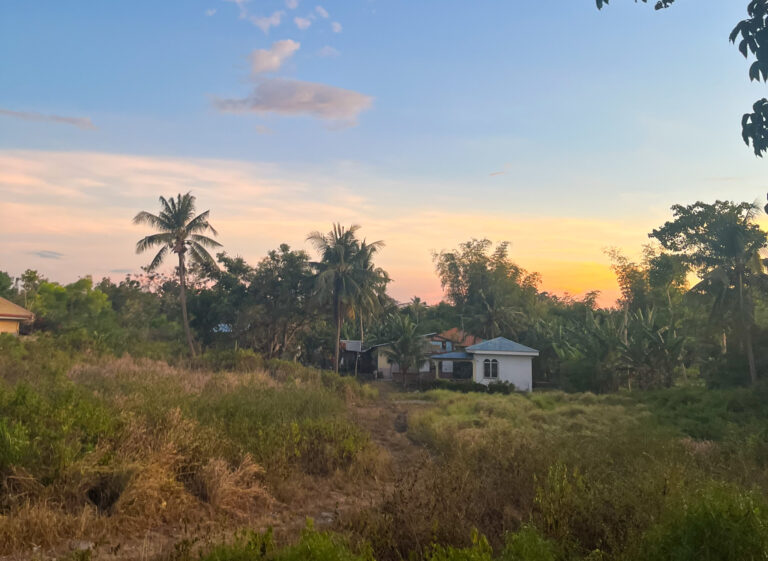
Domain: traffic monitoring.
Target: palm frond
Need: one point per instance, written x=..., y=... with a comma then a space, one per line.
x=200, y=255
x=200, y=224
x=158, y=259
x=150, y=219
x=204, y=241
x=153, y=241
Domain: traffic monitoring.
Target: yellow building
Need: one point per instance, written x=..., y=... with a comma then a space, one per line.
x=11, y=316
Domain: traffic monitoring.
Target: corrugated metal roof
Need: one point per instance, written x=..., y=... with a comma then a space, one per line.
x=501, y=345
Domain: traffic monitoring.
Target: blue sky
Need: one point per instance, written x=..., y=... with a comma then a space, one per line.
x=510, y=120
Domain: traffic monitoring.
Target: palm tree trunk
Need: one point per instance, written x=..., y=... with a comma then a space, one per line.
x=338, y=337
x=747, y=329
x=183, y=293
x=357, y=358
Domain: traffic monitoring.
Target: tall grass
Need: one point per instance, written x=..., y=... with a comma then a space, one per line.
x=96, y=446
x=603, y=477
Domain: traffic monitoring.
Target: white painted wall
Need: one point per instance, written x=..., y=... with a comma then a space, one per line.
x=514, y=369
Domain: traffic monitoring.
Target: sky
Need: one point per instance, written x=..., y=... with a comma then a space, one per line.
x=557, y=127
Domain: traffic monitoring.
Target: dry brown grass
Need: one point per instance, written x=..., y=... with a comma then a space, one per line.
x=237, y=492
x=161, y=470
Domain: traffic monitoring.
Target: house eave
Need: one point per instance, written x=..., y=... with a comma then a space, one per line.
x=505, y=353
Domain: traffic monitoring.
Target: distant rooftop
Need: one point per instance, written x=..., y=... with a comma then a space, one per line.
x=453, y=355
x=9, y=310
x=501, y=345
x=460, y=338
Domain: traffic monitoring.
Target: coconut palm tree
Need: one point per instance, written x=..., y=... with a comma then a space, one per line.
x=182, y=233
x=346, y=276
x=408, y=349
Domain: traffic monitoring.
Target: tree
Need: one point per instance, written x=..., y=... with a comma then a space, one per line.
x=345, y=275
x=722, y=244
x=754, y=39
x=182, y=233
x=494, y=295
x=7, y=288
x=407, y=349
x=30, y=282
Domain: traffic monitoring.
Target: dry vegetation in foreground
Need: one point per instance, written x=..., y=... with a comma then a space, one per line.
x=106, y=451
x=149, y=461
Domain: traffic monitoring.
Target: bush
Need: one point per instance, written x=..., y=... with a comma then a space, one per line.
x=313, y=546
x=47, y=429
x=480, y=550
x=721, y=524
x=528, y=544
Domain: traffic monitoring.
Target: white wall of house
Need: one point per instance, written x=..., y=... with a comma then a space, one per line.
x=514, y=369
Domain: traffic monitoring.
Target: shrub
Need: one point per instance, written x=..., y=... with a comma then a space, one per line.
x=528, y=544
x=480, y=550
x=313, y=546
x=720, y=524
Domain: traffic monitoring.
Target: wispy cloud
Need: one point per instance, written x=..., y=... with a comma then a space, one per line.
x=302, y=23
x=248, y=202
x=46, y=254
x=210, y=12
x=328, y=51
x=291, y=4
x=262, y=129
x=322, y=12
x=504, y=171
x=336, y=27
x=241, y=5
x=267, y=22
x=270, y=60
x=295, y=97
x=79, y=122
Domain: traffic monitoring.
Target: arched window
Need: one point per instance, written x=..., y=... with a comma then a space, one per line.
x=486, y=368
x=494, y=368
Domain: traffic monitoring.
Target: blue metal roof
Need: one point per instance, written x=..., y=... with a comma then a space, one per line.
x=501, y=345
x=455, y=355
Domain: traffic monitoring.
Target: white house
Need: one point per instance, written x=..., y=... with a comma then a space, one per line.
x=497, y=360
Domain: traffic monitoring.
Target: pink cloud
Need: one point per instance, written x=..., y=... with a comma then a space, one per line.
x=294, y=97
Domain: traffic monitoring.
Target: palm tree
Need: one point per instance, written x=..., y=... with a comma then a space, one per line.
x=722, y=242
x=179, y=232
x=408, y=349
x=345, y=273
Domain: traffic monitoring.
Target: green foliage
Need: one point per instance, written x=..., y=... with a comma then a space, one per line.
x=528, y=544
x=313, y=546
x=721, y=523
x=283, y=427
x=498, y=297
x=480, y=550
x=407, y=350
x=47, y=428
x=7, y=288
x=347, y=282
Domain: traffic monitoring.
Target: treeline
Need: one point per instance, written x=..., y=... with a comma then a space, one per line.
x=693, y=308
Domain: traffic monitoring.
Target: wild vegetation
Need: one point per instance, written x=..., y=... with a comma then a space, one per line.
x=645, y=440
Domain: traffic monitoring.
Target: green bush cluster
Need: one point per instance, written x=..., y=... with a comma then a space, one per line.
x=45, y=429
x=469, y=386
x=312, y=546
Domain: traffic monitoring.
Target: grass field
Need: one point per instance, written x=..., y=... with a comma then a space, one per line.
x=122, y=458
